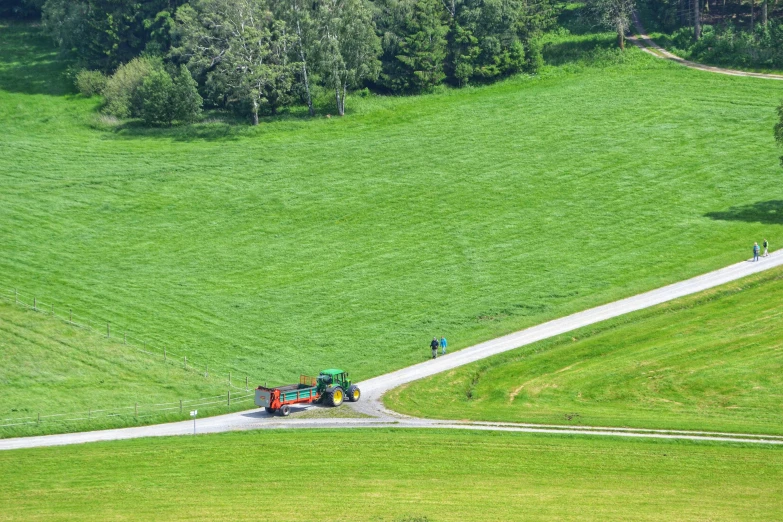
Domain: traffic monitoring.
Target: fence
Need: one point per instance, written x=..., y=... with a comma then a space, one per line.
x=129, y=412
x=66, y=314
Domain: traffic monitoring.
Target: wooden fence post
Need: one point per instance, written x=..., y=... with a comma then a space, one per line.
x=136, y=410
x=229, y=398
x=52, y=310
x=164, y=355
x=246, y=388
x=34, y=305
x=186, y=362
x=39, y=418
x=70, y=316
x=16, y=296
x=206, y=372
x=180, y=405
x=89, y=414
x=108, y=331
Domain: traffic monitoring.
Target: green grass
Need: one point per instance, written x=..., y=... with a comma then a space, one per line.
x=52, y=368
x=349, y=242
x=711, y=361
x=388, y=475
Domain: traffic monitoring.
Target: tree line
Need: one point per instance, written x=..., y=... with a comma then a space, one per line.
x=743, y=14
x=255, y=57
x=734, y=33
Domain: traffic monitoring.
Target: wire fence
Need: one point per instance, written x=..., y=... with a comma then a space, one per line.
x=136, y=412
x=103, y=328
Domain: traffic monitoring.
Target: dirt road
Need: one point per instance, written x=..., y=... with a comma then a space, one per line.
x=646, y=44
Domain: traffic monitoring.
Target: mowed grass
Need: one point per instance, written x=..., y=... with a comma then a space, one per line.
x=392, y=475
x=712, y=361
x=350, y=242
x=51, y=368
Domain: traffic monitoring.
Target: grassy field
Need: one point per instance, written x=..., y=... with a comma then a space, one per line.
x=304, y=244
x=50, y=368
x=377, y=475
x=709, y=361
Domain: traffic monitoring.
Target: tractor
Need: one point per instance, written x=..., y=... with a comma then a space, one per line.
x=331, y=387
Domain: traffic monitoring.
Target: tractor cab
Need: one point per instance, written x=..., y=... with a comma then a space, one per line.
x=335, y=386
x=334, y=378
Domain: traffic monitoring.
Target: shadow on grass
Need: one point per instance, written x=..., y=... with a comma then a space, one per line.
x=217, y=125
x=208, y=131
x=28, y=61
x=592, y=50
x=574, y=18
x=766, y=212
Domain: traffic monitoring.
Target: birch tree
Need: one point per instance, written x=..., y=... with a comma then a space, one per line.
x=298, y=15
x=614, y=14
x=348, y=47
x=241, y=50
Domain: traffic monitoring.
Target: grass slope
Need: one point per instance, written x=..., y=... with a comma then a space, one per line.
x=375, y=475
x=710, y=361
x=52, y=368
x=304, y=244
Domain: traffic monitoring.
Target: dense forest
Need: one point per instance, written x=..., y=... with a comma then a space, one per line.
x=164, y=60
x=737, y=33
x=255, y=57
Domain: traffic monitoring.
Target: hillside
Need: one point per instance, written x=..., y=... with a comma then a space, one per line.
x=711, y=361
x=78, y=380
x=350, y=242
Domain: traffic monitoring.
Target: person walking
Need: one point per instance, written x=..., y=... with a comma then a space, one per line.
x=443, y=345
x=766, y=248
x=434, y=346
x=755, y=252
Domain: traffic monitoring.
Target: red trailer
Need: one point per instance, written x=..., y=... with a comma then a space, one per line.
x=280, y=398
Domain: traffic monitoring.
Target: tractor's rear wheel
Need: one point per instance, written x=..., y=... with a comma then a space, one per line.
x=269, y=410
x=354, y=393
x=285, y=410
x=336, y=397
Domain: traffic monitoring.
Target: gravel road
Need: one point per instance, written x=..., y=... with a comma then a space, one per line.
x=373, y=389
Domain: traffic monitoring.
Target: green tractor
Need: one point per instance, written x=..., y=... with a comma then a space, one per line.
x=334, y=387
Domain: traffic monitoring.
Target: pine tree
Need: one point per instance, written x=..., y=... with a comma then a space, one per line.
x=414, y=44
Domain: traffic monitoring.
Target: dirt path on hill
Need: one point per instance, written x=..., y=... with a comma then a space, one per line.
x=373, y=389
x=646, y=44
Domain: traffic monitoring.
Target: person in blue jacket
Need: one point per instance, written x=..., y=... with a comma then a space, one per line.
x=755, y=251
x=443, y=345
